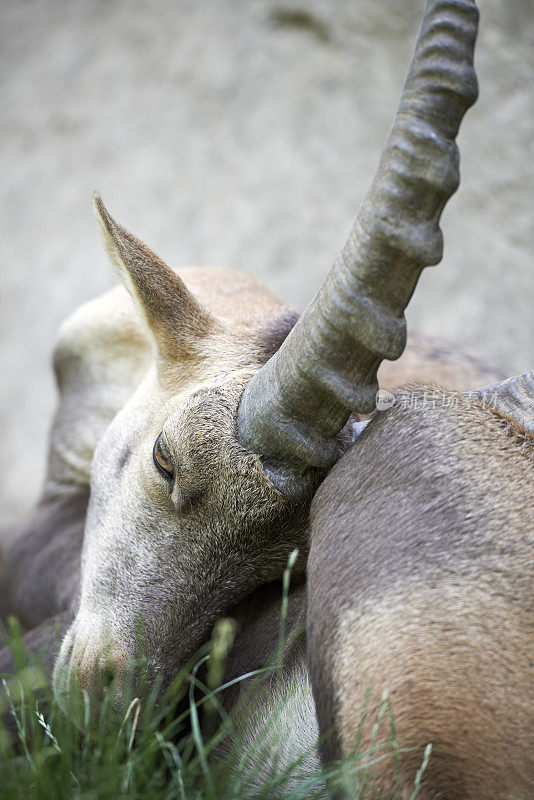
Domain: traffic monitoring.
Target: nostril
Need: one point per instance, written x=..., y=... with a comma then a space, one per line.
x=108, y=675
x=110, y=672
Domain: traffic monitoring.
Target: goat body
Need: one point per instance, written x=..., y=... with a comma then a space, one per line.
x=198, y=416
x=102, y=354
x=420, y=584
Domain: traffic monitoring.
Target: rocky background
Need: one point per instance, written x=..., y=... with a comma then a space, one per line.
x=240, y=133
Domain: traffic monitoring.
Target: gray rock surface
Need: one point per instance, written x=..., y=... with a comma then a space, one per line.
x=240, y=133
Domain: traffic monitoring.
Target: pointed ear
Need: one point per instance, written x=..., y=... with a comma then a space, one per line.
x=176, y=319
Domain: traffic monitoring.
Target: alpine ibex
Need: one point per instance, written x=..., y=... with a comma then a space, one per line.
x=201, y=484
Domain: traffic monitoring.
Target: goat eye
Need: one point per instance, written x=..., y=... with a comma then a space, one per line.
x=162, y=459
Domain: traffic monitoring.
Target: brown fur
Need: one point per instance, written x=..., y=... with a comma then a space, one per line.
x=420, y=583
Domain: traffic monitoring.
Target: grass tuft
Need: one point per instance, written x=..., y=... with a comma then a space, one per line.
x=165, y=751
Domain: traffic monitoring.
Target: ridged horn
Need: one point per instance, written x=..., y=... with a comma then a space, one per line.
x=292, y=410
x=513, y=397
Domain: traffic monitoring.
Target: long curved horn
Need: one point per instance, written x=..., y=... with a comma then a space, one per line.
x=292, y=410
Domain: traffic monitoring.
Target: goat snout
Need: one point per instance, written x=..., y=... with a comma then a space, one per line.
x=87, y=668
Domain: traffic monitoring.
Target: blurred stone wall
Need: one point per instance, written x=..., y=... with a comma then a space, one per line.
x=240, y=133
